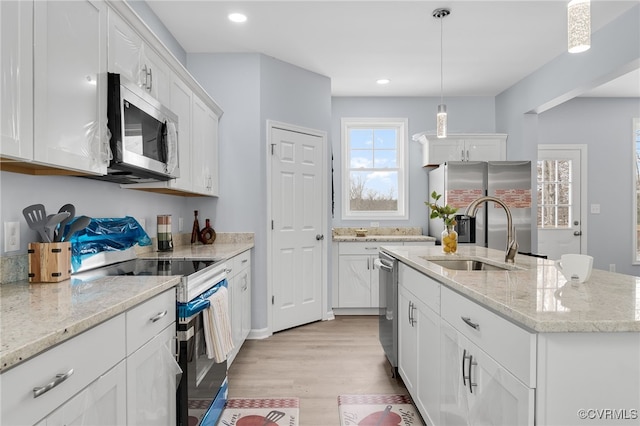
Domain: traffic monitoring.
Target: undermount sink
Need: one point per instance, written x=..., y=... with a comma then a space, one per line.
x=469, y=265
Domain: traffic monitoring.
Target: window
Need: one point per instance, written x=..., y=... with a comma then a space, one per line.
x=554, y=193
x=374, y=175
x=636, y=188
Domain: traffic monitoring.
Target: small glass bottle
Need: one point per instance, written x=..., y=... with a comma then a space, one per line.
x=449, y=239
x=195, y=232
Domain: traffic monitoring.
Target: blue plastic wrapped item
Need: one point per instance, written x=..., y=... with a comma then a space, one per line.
x=199, y=303
x=106, y=235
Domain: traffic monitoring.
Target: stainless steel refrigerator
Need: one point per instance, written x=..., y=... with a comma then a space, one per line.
x=461, y=182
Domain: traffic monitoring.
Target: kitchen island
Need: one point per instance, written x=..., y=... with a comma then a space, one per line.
x=516, y=346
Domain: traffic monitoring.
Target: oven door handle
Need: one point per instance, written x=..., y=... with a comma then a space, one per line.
x=159, y=316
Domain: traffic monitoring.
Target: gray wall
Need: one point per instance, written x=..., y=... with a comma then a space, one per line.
x=605, y=126
x=251, y=89
x=526, y=111
x=466, y=114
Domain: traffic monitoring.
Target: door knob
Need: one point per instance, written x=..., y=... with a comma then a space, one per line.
x=577, y=233
x=319, y=237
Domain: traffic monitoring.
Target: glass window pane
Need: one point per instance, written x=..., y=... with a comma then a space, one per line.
x=377, y=191
x=539, y=214
x=564, y=193
x=549, y=171
x=385, y=139
x=563, y=217
x=549, y=195
x=549, y=217
x=361, y=138
x=564, y=170
x=361, y=158
x=385, y=159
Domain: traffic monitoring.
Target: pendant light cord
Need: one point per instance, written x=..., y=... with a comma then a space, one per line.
x=441, y=64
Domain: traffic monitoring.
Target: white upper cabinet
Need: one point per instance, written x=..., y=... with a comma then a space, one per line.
x=462, y=147
x=134, y=59
x=204, y=145
x=16, y=75
x=54, y=108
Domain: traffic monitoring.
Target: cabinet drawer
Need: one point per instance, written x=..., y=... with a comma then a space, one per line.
x=102, y=347
x=149, y=318
x=237, y=263
x=510, y=345
x=360, y=248
x=424, y=288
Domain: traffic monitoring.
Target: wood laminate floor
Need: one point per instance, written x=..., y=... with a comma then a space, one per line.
x=315, y=363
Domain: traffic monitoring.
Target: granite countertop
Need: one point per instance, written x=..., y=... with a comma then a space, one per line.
x=537, y=296
x=387, y=234
x=34, y=317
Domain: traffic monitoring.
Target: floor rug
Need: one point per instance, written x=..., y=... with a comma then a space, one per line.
x=260, y=411
x=373, y=410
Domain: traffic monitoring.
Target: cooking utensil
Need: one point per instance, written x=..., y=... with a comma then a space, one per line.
x=53, y=220
x=36, y=217
x=72, y=213
x=80, y=223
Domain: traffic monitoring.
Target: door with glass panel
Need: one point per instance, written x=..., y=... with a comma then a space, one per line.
x=559, y=205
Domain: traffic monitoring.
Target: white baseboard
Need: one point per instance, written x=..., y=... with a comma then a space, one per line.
x=258, y=334
x=356, y=311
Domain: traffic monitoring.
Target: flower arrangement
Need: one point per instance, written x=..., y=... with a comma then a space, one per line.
x=446, y=212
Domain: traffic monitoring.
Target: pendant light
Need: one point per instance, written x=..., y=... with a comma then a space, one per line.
x=579, y=25
x=441, y=117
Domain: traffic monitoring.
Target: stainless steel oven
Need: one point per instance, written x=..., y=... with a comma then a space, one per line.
x=203, y=388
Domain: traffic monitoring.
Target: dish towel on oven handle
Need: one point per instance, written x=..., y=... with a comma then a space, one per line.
x=217, y=326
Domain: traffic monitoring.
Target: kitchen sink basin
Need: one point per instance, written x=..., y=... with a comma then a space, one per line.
x=469, y=265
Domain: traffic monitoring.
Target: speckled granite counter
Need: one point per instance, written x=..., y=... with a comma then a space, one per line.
x=537, y=297
x=34, y=317
x=399, y=234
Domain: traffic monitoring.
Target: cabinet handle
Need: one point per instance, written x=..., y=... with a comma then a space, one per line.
x=467, y=155
x=371, y=248
x=473, y=325
x=471, y=364
x=368, y=264
x=159, y=316
x=464, y=376
x=462, y=155
x=46, y=388
x=245, y=260
x=228, y=271
x=409, y=314
x=150, y=80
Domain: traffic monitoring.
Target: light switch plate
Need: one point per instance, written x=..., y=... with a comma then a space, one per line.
x=595, y=208
x=11, y=236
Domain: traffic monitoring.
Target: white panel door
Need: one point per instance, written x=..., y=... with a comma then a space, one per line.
x=297, y=190
x=560, y=206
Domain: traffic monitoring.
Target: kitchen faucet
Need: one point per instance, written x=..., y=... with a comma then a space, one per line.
x=512, y=244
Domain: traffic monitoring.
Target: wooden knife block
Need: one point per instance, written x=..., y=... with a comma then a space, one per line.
x=49, y=262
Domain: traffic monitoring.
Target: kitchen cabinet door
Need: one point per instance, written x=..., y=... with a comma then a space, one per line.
x=478, y=390
x=16, y=74
x=239, y=277
x=407, y=339
x=70, y=85
x=428, y=378
x=103, y=403
x=204, y=155
x=151, y=382
x=462, y=147
x=355, y=281
x=136, y=61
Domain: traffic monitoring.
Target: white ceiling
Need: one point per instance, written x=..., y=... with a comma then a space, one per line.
x=488, y=45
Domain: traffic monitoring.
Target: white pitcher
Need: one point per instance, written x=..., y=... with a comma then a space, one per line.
x=575, y=265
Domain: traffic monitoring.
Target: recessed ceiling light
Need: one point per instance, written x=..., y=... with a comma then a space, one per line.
x=237, y=17
x=383, y=81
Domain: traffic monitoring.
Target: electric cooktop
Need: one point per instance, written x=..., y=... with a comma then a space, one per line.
x=184, y=267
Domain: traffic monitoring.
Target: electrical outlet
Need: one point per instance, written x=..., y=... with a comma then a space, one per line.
x=11, y=236
x=595, y=208
x=612, y=267
x=375, y=224
x=180, y=224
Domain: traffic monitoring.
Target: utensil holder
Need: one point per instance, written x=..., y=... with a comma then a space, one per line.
x=49, y=262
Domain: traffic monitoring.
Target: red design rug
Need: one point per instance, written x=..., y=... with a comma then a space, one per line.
x=260, y=412
x=377, y=410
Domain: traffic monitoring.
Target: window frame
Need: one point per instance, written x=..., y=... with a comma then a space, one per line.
x=635, y=189
x=401, y=125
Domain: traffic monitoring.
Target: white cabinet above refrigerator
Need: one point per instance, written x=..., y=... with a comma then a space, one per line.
x=462, y=147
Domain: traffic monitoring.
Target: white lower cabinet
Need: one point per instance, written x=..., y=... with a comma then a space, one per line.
x=102, y=403
x=120, y=372
x=476, y=389
x=419, y=340
x=151, y=382
x=239, y=279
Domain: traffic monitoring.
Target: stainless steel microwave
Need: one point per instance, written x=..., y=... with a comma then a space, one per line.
x=144, y=136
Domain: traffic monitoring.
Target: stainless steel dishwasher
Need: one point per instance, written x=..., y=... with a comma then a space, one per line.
x=388, y=326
